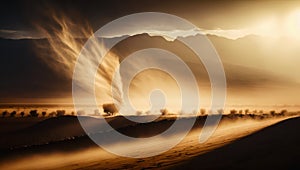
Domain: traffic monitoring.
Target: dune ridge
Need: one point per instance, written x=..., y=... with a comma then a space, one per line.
x=230, y=129
x=274, y=147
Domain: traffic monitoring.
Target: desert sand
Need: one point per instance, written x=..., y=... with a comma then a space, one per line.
x=274, y=147
x=240, y=141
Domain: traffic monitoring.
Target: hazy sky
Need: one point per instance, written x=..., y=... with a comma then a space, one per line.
x=258, y=42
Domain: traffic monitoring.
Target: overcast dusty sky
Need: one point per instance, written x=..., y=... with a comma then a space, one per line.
x=258, y=43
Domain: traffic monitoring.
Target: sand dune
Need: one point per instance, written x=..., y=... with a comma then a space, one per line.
x=53, y=129
x=34, y=131
x=78, y=151
x=275, y=147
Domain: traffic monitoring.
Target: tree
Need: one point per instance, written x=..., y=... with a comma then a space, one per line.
x=202, y=111
x=109, y=109
x=283, y=112
x=44, y=113
x=233, y=111
x=220, y=111
x=246, y=111
x=240, y=111
x=164, y=111
x=51, y=114
x=13, y=114
x=22, y=114
x=80, y=112
x=60, y=113
x=4, y=113
x=272, y=112
x=33, y=113
x=139, y=113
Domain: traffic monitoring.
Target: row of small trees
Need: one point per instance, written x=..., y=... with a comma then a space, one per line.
x=34, y=113
x=233, y=111
x=247, y=111
x=111, y=110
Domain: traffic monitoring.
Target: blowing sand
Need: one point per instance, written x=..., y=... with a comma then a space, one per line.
x=82, y=153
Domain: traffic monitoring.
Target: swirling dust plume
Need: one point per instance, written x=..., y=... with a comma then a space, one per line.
x=65, y=41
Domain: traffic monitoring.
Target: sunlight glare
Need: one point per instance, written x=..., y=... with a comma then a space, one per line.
x=293, y=25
